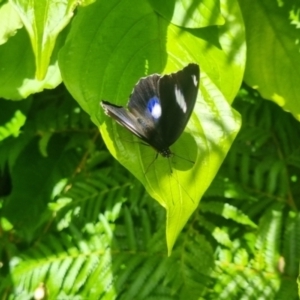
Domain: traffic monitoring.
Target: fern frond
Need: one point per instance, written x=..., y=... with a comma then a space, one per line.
x=291, y=246
x=227, y=211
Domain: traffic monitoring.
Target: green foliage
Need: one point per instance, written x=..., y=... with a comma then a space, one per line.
x=96, y=234
x=74, y=224
x=273, y=27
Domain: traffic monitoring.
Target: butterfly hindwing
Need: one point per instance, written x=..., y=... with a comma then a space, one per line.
x=124, y=118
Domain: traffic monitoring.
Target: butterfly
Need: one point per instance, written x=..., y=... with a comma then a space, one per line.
x=159, y=107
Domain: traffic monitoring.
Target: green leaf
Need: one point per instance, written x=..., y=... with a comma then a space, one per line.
x=44, y=20
x=33, y=178
x=227, y=211
x=291, y=244
x=17, y=79
x=13, y=126
x=9, y=22
x=273, y=51
x=43, y=143
x=101, y=60
x=189, y=13
x=298, y=282
x=268, y=239
x=12, y=118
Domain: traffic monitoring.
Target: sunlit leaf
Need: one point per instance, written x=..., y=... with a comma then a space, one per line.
x=17, y=72
x=9, y=22
x=110, y=60
x=190, y=13
x=273, y=51
x=44, y=20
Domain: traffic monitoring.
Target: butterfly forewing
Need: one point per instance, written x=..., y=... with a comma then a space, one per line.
x=178, y=94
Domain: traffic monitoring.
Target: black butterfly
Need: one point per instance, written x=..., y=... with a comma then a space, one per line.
x=159, y=107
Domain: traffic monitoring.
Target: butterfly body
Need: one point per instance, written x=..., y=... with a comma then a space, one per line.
x=159, y=107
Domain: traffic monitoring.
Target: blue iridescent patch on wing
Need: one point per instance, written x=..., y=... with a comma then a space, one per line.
x=154, y=107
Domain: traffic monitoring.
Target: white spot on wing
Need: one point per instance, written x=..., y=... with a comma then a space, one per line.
x=156, y=110
x=195, y=80
x=180, y=99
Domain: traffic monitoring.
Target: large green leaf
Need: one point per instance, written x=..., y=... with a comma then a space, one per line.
x=110, y=46
x=273, y=50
